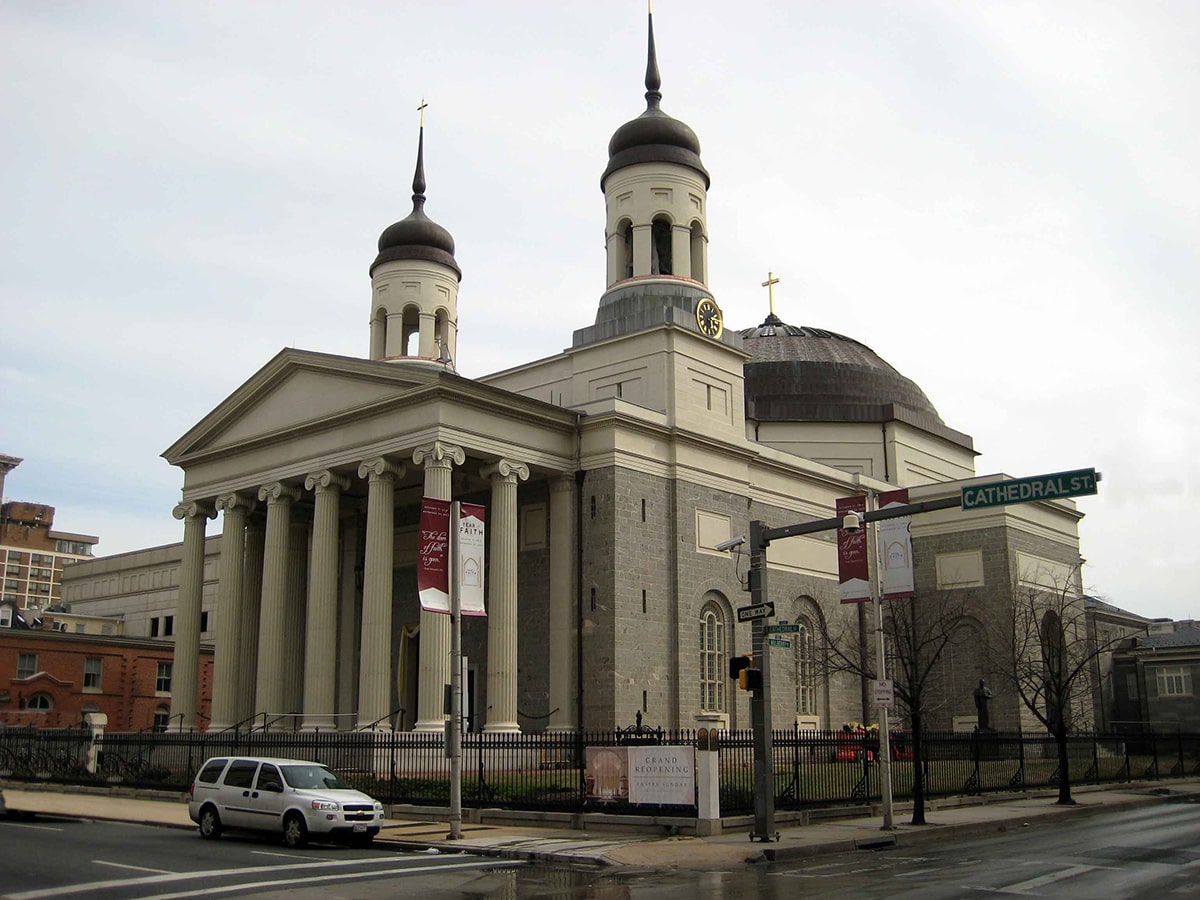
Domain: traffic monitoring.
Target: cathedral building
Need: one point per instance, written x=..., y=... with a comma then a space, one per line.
x=612, y=473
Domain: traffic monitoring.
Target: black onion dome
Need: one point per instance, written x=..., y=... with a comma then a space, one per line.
x=799, y=374
x=653, y=136
x=417, y=236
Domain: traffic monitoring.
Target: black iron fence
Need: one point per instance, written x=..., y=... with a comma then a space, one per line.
x=550, y=771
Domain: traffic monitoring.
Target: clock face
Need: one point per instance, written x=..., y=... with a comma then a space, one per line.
x=708, y=318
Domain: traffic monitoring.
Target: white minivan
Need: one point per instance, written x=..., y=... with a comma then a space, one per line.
x=290, y=797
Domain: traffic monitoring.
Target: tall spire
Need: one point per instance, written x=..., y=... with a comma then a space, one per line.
x=419, y=174
x=653, y=79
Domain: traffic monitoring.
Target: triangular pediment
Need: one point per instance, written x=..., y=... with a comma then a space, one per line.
x=298, y=389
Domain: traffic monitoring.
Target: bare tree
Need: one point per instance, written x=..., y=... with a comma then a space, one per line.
x=1051, y=655
x=916, y=632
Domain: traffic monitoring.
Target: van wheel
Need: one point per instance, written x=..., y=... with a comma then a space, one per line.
x=295, y=832
x=210, y=824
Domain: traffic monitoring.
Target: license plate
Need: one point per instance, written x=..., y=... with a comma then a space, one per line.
x=359, y=827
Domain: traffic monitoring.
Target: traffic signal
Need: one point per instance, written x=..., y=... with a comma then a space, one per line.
x=742, y=668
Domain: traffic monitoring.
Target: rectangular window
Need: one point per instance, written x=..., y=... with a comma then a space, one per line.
x=26, y=665
x=168, y=626
x=162, y=681
x=80, y=628
x=203, y=622
x=91, y=673
x=154, y=627
x=1174, y=681
x=5, y=616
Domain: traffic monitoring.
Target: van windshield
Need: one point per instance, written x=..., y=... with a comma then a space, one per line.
x=304, y=777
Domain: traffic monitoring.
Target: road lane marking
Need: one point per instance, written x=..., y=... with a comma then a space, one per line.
x=287, y=855
x=117, y=865
x=188, y=876
x=1023, y=887
x=309, y=880
x=34, y=827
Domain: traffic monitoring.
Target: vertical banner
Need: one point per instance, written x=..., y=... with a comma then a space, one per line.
x=854, y=585
x=895, y=548
x=433, y=585
x=468, y=558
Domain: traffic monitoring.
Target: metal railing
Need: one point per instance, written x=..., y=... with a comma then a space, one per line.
x=549, y=771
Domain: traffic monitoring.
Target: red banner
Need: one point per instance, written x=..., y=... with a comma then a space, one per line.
x=433, y=583
x=854, y=584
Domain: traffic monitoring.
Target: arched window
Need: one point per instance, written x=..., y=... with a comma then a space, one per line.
x=660, y=247
x=40, y=701
x=712, y=659
x=697, y=252
x=806, y=668
x=625, y=248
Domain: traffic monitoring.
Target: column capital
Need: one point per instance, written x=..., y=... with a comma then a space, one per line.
x=235, y=501
x=194, y=509
x=506, y=469
x=326, y=480
x=379, y=467
x=278, y=492
x=439, y=453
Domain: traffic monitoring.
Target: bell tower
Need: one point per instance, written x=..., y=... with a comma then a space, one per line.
x=414, y=284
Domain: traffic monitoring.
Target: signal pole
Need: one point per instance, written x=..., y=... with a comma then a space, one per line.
x=760, y=698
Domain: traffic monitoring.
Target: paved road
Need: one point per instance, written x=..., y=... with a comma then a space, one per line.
x=60, y=857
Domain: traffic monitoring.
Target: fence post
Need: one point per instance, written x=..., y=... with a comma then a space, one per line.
x=708, y=782
x=95, y=721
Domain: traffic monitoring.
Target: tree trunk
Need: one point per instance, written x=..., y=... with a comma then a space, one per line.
x=918, y=766
x=1064, y=767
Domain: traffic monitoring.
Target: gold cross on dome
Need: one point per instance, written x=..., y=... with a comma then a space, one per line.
x=769, y=284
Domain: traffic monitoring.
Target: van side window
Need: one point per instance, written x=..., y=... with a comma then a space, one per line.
x=268, y=778
x=212, y=771
x=241, y=773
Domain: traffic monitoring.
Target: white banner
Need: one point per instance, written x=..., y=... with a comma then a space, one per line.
x=468, y=558
x=895, y=548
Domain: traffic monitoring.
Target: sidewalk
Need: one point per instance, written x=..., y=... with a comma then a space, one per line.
x=958, y=817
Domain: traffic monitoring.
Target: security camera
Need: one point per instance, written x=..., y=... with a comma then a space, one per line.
x=730, y=544
x=851, y=522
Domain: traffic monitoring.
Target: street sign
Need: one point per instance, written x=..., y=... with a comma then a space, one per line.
x=1076, y=483
x=761, y=611
x=783, y=628
x=885, y=694
x=779, y=642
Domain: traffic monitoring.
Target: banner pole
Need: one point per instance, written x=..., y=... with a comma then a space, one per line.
x=454, y=731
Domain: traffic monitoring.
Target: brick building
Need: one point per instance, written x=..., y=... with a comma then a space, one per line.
x=33, y=553
x=52, y=679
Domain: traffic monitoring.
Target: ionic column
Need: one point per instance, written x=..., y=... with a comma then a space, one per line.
x=272, y=618
x=502, y=594
x=252, y=574
x=295, y=614
x=185, y=670
x=439, y=460
x=229, y=610
x=375, y=661
x=561, y=614
x=320, y=649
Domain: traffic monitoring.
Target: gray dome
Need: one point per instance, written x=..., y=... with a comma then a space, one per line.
x=798, y=374
x=417, y=236
x=653, y=136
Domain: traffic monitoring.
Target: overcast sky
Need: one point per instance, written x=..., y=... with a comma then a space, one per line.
x=1000, y=199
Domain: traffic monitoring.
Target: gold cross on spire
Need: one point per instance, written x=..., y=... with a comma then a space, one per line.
x=421, y=110
x=769, y=284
